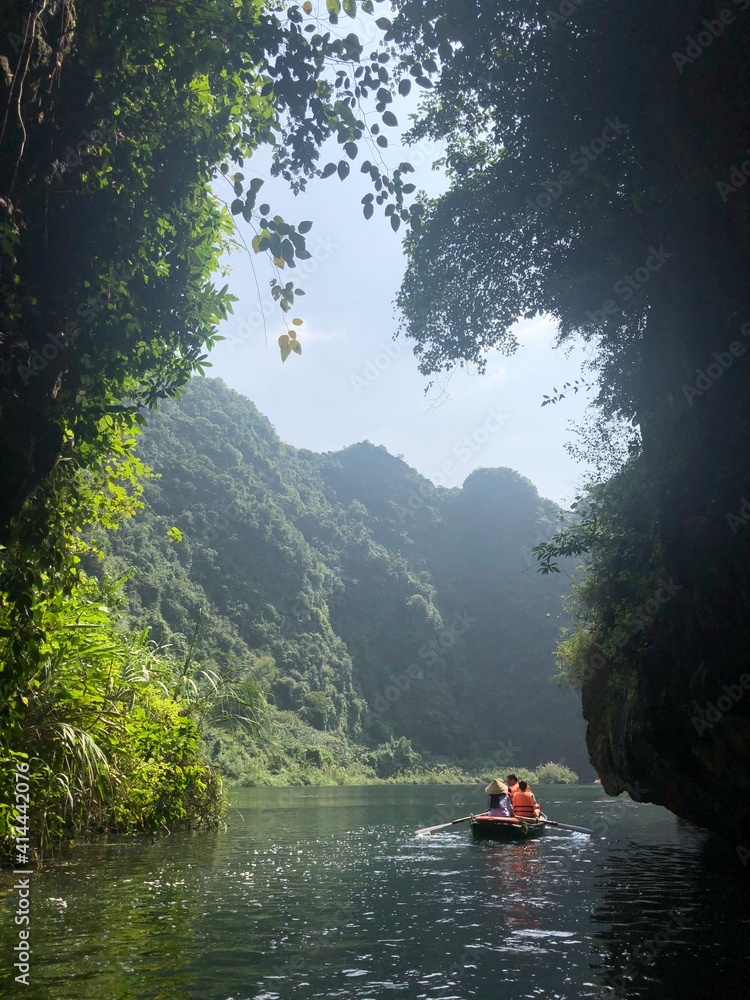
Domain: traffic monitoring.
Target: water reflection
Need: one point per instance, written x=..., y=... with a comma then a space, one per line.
x=677, y=921
x=328, y=893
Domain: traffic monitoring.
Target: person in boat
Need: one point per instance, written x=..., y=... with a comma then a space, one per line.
x=512, y=783
x=499, y=803
x=524, y=803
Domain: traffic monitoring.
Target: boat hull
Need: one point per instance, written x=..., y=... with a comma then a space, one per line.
x=501, y=828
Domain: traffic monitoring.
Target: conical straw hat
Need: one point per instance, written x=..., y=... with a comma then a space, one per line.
x=496, y=787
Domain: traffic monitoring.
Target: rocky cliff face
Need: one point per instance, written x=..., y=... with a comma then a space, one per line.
x=673, y=727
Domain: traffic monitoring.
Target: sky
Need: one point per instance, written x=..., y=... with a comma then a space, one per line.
x=353, y=382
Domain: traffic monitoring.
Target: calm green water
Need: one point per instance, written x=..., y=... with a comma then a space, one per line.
x=328, y=893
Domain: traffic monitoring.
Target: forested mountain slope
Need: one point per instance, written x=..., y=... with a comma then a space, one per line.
x=388, y=605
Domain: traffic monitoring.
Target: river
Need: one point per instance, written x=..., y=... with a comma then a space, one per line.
x=327, y=892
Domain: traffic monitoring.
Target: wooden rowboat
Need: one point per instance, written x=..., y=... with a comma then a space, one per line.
x=504, y=828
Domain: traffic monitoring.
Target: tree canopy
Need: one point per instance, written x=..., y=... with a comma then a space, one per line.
x=598, y=162
x=389, y=607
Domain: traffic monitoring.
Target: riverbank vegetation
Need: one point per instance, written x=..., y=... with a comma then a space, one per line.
x=109, y=738
x=287, y=751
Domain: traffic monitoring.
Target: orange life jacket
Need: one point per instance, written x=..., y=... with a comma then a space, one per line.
x=523, y=803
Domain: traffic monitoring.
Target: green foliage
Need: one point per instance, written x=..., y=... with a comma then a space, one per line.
x=107, y=747
x=394, y=757
x=555, y=774
x=623, y=572
x=389, y=607
x=287, y=751
x=128, y=121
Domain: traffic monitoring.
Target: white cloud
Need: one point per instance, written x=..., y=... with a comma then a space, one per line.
x=538, y=332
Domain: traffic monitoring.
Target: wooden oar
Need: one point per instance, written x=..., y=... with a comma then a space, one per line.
x=431, y=829
x=575, y=829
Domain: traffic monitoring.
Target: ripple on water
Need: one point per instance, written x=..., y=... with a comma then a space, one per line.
x=322, y=900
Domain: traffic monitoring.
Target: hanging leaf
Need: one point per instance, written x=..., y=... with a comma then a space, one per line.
x=389, y=118
x=343, y=169
x=286, y=350
x=295, y=346
x=292, y=334
x=297, y=322
x=328, y=169
x=350, y=8
x=287, y=252
x=404, y=87
x=333, y=7
x=350, y=148
x=304, y=227
x=256, y=243
x=283, y=340
x=368, y=210
x=307, y=7
x=395, y=223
